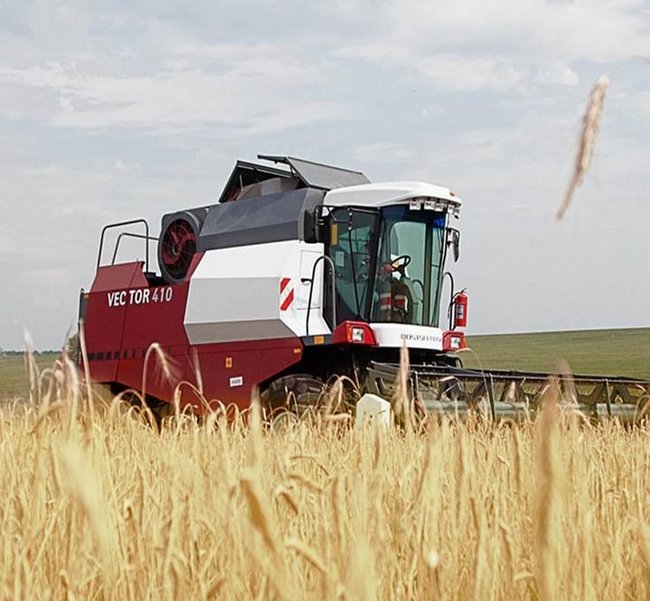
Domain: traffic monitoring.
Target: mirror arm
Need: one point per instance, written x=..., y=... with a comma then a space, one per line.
x=454, y=241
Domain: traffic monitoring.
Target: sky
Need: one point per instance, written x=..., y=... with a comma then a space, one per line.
x=118, y=110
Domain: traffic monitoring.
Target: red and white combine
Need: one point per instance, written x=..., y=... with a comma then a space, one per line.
x=300, y=271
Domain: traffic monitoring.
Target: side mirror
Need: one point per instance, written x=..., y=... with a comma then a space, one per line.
x=454, y=240
x=314, y=224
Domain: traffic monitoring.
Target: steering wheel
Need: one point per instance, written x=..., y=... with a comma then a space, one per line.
x=400, y=262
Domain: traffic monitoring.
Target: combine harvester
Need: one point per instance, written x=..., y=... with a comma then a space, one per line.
x=298, y=273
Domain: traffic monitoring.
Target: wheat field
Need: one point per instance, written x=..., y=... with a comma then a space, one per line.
x=98, y=504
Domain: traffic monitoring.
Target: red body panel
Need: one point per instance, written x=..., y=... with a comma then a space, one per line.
x=343, y=334
x=125, y=315
x=103, y=325
x=453, y=340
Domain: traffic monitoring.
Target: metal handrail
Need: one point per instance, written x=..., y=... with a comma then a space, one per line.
x=130, y=235
x=311, y=289
x=123, y=224
x=450, y=314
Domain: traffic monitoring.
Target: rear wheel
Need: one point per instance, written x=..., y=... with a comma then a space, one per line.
x=158, y=410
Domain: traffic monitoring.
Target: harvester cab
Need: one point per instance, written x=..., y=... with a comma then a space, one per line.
x=387, y=245
x=299, y=272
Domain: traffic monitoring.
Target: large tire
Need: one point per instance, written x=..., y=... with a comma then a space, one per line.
x=156, y=410
x=295, y=393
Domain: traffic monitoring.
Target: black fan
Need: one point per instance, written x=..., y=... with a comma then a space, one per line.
x=178, y=246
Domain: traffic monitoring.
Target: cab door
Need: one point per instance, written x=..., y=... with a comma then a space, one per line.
x=351, y=242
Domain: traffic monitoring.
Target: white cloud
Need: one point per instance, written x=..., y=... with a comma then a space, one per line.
x=178, y=97
x=292, y=116
x=606, y=30
x=447, y=72
x=558, y=74
x=122, y=166
x=458, y=73
x=503, y=46
x=164, y=78
x=635, y=103
x=51, y=275
x=380, y=152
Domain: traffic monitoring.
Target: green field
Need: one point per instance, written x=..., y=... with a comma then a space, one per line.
x=13, y=376
x=598, y=352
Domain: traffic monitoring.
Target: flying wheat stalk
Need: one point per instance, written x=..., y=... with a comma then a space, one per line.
x=590, y=123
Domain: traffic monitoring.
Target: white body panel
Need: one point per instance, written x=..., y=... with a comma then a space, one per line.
x=254, y=292
x=379, y=195
x=374, y=411
x=398, y=335
x=259, y=291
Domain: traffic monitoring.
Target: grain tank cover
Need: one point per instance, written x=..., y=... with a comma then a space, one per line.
x=249, y=180
x=271, y=218
x=317, y=175
x=245, y=174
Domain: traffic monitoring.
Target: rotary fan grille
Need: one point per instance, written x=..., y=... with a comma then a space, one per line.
x=178, y=247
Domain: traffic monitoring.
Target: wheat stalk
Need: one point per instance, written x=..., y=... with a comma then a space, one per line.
x=547, y=502
x=115, y=510
x=586, y=142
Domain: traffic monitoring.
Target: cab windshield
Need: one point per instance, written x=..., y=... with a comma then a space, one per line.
x=388, y=264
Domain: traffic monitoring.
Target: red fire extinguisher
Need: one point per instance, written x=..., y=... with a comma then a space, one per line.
x=460, y=310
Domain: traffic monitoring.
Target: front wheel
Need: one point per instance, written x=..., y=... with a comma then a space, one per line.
x=295, y=392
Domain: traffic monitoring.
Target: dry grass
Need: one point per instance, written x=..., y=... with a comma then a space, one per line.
x=98, y=505
x=586, y=142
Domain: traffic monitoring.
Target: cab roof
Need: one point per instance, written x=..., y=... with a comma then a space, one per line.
x=383, y=194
